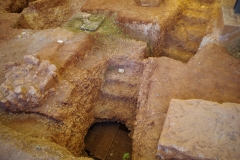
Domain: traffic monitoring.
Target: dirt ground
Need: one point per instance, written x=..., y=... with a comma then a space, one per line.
x=108, y=75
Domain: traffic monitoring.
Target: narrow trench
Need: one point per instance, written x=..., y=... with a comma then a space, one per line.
x=108, y=141
x=17, y=6
x=184, y=38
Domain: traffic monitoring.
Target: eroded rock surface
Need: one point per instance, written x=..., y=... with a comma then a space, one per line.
x=198, y=129
x=15, y=145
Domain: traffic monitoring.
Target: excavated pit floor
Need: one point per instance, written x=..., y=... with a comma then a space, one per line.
x=100, y=74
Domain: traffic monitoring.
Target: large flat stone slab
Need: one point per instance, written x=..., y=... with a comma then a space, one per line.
x=212, y=74
x=149, y=3
x=199, y=129
x=85, y=21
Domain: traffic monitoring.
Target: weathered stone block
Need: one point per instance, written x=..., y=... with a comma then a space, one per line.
x=85, y=21
x=4, y=88
x=198, y=129
x=52, y=68
x=18, y=82
x=149, y=3
x=229, y=23
x=9, y=65
x=18, y=90
x=32, y=91
x=42, y=69
x=47, y=83
x=31, y=59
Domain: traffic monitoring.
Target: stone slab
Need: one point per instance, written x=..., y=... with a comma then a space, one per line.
x=199, y=129
x=149, y=3
x=85, y=21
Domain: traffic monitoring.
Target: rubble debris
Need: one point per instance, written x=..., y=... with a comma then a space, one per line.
x=26, y=84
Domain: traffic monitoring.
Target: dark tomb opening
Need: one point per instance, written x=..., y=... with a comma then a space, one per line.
x=108, y=141
x=237, y=7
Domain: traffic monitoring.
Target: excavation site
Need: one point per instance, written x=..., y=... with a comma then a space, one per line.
x=120, y=79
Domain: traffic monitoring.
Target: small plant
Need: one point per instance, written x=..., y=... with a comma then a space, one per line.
x=126, y=156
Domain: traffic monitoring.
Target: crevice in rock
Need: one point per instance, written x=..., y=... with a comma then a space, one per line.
x=183, y=38
x=17, y=6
